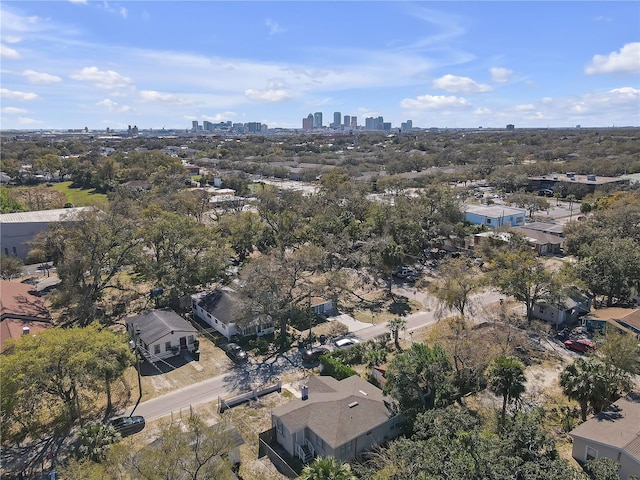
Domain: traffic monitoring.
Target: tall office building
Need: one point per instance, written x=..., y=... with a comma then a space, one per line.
x=307, y=123
x=194, y=126
x=337, y=120
x=317, y=120
x=347, y=121
x=354, y=122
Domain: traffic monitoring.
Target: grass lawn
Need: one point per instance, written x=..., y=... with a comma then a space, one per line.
x=81, y=197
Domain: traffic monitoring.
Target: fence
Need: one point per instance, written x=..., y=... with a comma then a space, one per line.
x=225, y=404
x=265, y=440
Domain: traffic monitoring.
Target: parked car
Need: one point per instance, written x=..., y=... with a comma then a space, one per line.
x=235, y=352
x=581, y=345
x=313, y=354
x=126, y=426
x=346, y=342
x=404, y=272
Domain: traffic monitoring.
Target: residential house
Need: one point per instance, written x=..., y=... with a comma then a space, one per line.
x=565, y=311
x=161, y=334
x=543, y=243
x=613, y=433
x=225, y=311
x=22, y=312
x=556, y=229
x=495, y=216
x=322, y=306
x=339, y=419
x=626, y=320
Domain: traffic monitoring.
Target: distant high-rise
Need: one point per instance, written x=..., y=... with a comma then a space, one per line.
x=511, y=126
x=347, y=121
x=194, y=126
x=307, y=123
x=408, y=125
x=337, y=120
x=317, y=120
x=354, y=122
x=207, y=126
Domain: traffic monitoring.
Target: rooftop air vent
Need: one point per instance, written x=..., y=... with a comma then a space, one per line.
x=353, y=404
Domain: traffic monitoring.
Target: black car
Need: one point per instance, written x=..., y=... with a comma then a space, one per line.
x=313, y=354
x=126, y=426
x=235, y=352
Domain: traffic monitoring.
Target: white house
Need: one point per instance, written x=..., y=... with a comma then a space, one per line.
x=495, y=216
x=161, y=334
x=225, y=311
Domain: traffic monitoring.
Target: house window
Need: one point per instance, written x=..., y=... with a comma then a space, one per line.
x=592, y=453
x=167, y=346
x=344, y=449
x=156, y=349
x=488, y=220
x=190, y=339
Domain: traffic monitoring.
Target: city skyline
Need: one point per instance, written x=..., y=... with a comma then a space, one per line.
x=165, y=64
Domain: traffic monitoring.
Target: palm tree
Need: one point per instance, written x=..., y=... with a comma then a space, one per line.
x=327, y=468
x=592, y=383
x=395, y=325
x=506, y=378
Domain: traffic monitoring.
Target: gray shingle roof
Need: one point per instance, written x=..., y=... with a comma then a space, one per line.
x=155, y=324
x=223, y=304
x=617, y=426
x=337, y=411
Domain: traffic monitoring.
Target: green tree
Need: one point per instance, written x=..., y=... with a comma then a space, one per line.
x=455, y=286
x=523, y=276
x=51, y=379
x=620, y=350
x=419, y=378
x=10, y=266
x=610, y=267
x=395, y=325
x=95, y=439
x=592, y=384
x=505, y=376
x=327, y=468
x=603, y=468
x=90, y=252
x=181, y=254
x=279, y=286
x=185, y=452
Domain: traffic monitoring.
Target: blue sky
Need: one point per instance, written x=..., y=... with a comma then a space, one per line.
x=155, y=64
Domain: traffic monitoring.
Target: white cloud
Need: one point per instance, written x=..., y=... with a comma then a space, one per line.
x=28, y=121
x=274, y=27
x=40, y=77
x=11, y=39
x=8, y=52
x=455, y=84
x=115, y=10
x=113, y=106
x=83, y=2
x=501, y=75
x=152, y=96
x=17, y=95
x=524, y=108
x=271, y=96
x=482, y=111
x=627, y=60
x=14, y=111
x=102, y=79
x=123, y=12
x=220, y=117
x=434, y=102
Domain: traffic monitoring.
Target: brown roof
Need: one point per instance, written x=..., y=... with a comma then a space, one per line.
x=337, y=411
x=20, y=307
x=618, y=426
